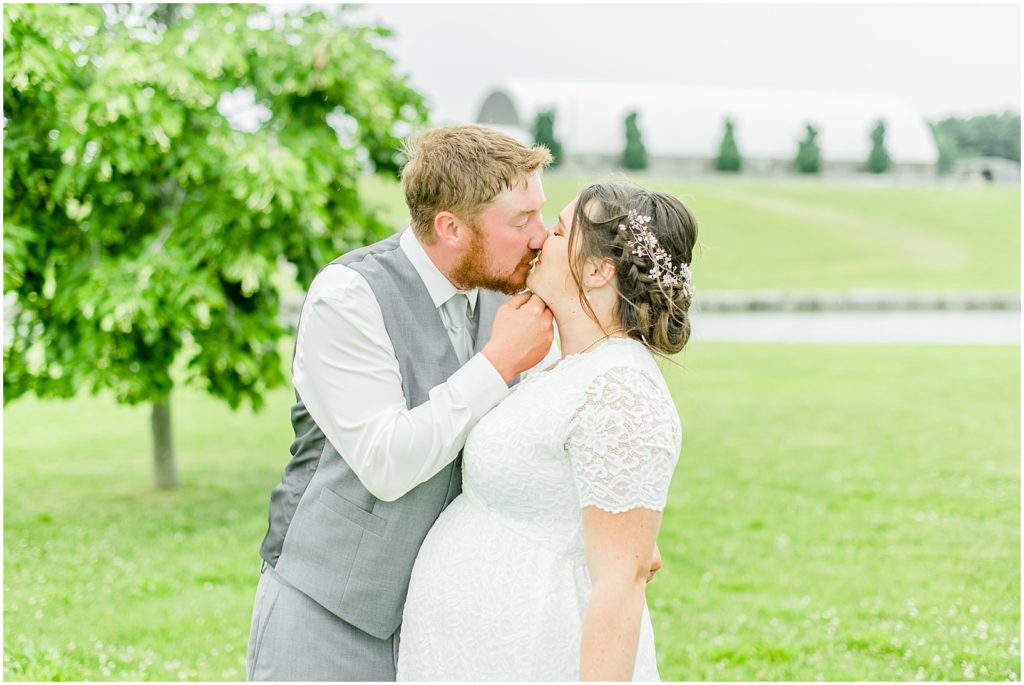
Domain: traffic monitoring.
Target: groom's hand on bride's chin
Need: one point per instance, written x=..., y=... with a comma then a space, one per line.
x=521, y=336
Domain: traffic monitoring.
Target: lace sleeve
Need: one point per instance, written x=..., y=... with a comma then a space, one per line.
x=623, y=442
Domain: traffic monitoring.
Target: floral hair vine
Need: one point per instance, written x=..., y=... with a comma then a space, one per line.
x=644, y=243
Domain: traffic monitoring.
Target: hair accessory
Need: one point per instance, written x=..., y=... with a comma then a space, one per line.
x=645, y=244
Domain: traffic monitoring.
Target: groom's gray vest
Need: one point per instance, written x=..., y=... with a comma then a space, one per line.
x=328, y=536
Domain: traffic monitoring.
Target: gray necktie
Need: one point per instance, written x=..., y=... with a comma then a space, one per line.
x=457, y=312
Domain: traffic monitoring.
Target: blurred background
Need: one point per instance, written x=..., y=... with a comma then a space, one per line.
x=847, y=502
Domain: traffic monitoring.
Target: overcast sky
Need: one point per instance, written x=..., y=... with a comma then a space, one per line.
x=945, y=59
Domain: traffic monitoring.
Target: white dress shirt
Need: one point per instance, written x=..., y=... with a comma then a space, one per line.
x=346, y=372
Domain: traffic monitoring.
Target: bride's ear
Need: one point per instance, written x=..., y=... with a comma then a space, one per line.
x=597, y=273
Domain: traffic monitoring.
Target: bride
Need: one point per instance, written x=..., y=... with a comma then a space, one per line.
x=537, y=570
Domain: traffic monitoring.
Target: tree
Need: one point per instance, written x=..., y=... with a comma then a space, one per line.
x=635, y=154
x=729, y=158
x=544, y=134
x=878, y=161
x=947, y=147
x=808, y=157
x=141, y=229
x=988, y=135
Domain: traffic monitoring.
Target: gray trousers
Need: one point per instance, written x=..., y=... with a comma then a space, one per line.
x=295, y=639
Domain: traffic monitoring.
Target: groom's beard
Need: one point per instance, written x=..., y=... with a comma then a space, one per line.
x=473, y=271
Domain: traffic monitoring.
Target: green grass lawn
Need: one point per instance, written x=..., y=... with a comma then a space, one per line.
x=816, y=235
x=838, y=512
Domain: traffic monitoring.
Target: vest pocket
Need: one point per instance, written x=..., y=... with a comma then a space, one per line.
x=343, y=507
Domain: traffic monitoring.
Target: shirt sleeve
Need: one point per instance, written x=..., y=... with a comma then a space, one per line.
x=623, y=442
x=347, y=375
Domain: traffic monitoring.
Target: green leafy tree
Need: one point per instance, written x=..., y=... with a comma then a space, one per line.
x=878, y=161
x=544, y=134
x=987, y=135
x=808, y=157
x=635, y=154
x=144, y=234
x=947, y=147
x=729, y=158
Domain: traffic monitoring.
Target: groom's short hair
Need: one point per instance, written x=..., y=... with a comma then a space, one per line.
x=461, y=169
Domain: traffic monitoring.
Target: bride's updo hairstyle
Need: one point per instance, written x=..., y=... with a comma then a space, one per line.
x=616, y=222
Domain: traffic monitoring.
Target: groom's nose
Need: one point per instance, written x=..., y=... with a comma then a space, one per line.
x=548, y=232
x=538, y=234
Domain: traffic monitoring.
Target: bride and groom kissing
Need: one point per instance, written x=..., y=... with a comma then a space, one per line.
x=465, y=499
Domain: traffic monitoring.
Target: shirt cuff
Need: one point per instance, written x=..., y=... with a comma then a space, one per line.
x=479, y=385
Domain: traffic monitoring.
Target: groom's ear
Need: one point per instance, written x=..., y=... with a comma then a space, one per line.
x=597, y=273
x=449, y=230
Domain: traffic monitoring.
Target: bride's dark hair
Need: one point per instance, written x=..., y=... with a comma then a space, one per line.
x=649, y=310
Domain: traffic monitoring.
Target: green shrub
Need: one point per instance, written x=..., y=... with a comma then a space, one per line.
x=879, y=160
x=544, y=134
x=808, y=157
x=635, y=154
x=729, y=158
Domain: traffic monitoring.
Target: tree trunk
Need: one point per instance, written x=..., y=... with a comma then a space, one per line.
x=165, y=470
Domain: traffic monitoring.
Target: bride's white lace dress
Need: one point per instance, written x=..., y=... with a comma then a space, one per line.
x=500, y=587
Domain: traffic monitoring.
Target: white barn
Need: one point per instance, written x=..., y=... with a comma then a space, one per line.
x=682, y=126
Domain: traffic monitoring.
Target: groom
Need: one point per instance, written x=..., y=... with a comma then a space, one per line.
x=401, y=347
